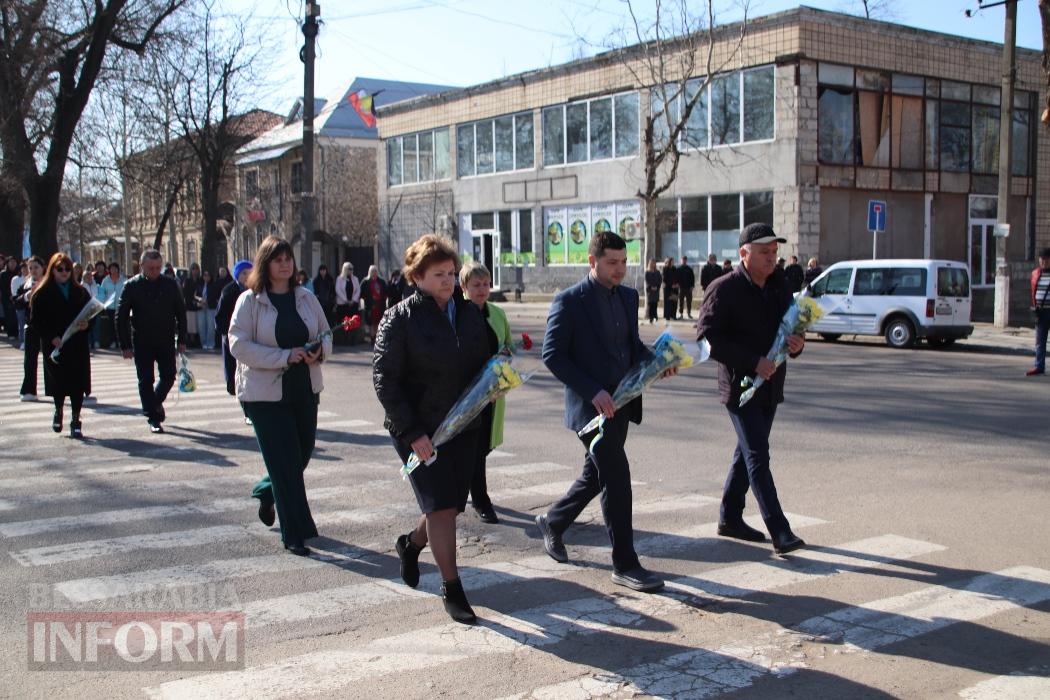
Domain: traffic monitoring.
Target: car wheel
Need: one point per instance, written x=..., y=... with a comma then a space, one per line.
x=831, y=337
x=900, y=333
x=940, y=343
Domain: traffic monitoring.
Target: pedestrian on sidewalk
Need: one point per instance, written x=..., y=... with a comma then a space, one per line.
x=428, y=349
x=31, y=340
x=324, y=289
x=223, y=316
x=670, y=275
x=739, y=318
x=374, y=294
x=686, y=284
x=109, y=291
x=152, y=305
x=1041, y=308
x=795, y=274
x=476, y=281
x=710, y=272
x=9, y=272
x=652, y=291
x=57, y=300
x=207, y=304
x=20, y=314
x=279, y=383
x=591, y=343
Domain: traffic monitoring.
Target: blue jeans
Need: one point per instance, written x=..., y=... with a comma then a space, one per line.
x=1042, y=328
x=750, y=469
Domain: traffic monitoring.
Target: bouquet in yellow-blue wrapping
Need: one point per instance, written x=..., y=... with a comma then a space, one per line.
x=500, y=374
x=803, y=313
x=668, y=353
x=187, y=382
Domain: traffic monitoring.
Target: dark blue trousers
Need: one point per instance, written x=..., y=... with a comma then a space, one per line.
x=750, y=469
x=608, y=474
x=1042, y=329
x=146, y=356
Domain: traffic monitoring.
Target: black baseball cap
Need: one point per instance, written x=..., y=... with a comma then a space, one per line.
x=759, y=233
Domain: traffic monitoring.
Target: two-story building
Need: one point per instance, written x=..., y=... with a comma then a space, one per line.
x=811, y=115
x=270, y=176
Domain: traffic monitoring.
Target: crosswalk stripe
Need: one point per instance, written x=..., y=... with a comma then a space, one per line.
x=89, y=494
x=76, y=551
x=1016, y=686
x=868, y=627
x=524, y=631
x=126, y=515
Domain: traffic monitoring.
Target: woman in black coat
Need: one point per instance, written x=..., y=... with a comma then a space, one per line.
x=652, y=290
x=670, y=290
x=428, y=349
x=54, y=304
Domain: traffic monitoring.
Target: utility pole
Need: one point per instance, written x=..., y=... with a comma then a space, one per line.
x=1006, y=121
x=310, y=26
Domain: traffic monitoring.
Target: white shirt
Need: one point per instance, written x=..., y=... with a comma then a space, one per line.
x=16, y=284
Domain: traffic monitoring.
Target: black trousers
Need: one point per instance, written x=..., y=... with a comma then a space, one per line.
x=652, y=308
x=608, y=474
x=30, y=362
x=229, y=366
x=685, y=301
x=286, y=432
x=152, y=396
x=750, y=469
x=670, y=304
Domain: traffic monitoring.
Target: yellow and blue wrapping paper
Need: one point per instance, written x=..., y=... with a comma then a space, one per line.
x=803, y=313
x=187, y=382
x=668, y=353
x=496, y=378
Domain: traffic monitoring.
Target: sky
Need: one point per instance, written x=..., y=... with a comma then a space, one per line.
x=466, y=42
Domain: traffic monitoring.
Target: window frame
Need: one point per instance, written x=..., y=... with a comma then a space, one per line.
x=491, y=121
x=612, y=98
x=686, y=146
x=400, y=139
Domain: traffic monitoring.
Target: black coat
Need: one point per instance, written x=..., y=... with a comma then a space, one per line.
x=709, y=273
x=670, y=277
x=422, y=365
x=191, y=289
x=224, y=311
x=652, y=286
x=50, y=313
x=686, y=277
x=324, y=290
x=795, y=276
x=156, y=311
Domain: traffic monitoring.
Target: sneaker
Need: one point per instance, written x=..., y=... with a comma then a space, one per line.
x=1030, y=373
x=28, y=397
x=638, y=579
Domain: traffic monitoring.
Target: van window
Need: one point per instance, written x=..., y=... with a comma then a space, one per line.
x=952, y=282
x=891, y=281
x=835, y=282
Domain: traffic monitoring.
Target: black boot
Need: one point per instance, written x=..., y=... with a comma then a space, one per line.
x=409, y=555
x=56, y=422
x=456, y=604
x=74, y=428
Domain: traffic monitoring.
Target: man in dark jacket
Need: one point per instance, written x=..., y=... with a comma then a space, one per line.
x=686, y=283
x=739, y=318
x=710, y=272
x=324, y=290
x=223, y=315
x=591, y=342
x=794, y=274
x=152, y=305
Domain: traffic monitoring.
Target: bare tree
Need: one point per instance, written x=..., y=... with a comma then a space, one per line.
x=1044, y=18
x=53, y=55
x=673, y=55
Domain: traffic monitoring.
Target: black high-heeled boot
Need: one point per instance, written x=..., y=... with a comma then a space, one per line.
x=56, y=422
x=408, y=553
x=456, y=604
x=74, y=428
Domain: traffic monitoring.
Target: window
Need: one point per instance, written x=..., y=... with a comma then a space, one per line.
x=515, y=235
x=297, y=178
x=567, y=230
x=725, y=225
x=494, y=145
x=758, y=104
x=725, y=110
x=1019, y=146
x=699, y=226
x=835, y=282
x=985, y=139
x=419, y=157
x=251, y=184
x=835, y=125
x=758, y=208
x=955, y=136
x=695, y=133
x=732, y=108
x=952, y=282
x=894, y=281
x=598, y=129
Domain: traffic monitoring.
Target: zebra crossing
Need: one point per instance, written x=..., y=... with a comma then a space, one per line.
x=105, y=531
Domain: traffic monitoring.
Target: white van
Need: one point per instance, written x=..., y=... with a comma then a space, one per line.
x=901, y=300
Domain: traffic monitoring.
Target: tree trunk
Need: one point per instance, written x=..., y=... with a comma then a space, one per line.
x=44, y=209
x=649, y=251
x=12, y=218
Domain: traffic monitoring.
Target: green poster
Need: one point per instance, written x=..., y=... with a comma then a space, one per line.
x=555, y=235
x=629, y=225
x=579, y=219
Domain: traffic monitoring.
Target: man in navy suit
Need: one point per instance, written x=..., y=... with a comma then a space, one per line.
x=591, y=342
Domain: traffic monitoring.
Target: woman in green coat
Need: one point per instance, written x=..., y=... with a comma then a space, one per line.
x=476, y=282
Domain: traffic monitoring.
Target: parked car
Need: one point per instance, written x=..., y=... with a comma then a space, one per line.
x=901, y=300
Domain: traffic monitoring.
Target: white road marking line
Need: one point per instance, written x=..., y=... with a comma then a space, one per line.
x=76, y=551
x=330, y=671
x=500, y=454
x=1022, y=685
x=126, y=515
x=529, y=468
x=99, y=493
x=703, y=673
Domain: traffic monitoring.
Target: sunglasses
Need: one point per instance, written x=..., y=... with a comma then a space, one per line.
x=63, y=268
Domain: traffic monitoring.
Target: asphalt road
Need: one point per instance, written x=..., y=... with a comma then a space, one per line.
x=919, y=478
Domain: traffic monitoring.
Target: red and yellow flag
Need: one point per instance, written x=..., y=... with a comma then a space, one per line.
x=365, y=107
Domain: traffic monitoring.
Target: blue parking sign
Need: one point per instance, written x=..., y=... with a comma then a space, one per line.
x=876, y=215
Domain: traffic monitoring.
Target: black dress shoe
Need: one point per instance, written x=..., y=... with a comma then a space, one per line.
x=456, y=604
x=266, y=512
x=408, y=553
x=74, y=430
x=298, y=549
x=740, y=531
x=487, y=514
x=552, y=543
x=638, y=579
x=154, y=426
x=56, y=422
x=160, y=414
x=787, y=542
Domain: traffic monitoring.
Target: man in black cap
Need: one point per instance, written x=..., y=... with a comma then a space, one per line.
x=739, y=318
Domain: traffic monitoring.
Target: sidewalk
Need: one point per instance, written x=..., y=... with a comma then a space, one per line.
x=985, y=336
